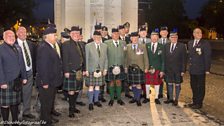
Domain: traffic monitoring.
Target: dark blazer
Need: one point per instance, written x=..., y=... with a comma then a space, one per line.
x=199, y=63
x=71, y=57
x=175, y=62
x=11, y=63
x=49, y=66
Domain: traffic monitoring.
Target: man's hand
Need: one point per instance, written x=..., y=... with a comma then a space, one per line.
x=24, y=81
x=207, y=72
x=87, y=73
x=66, y=75
x=45, y=86
x=126, y=70
x=146, y=71
x=182, y=73
x=104, y=72
x=4, y=86
x=161, y=74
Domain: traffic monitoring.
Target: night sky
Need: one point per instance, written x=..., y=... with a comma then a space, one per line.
x=45, y=8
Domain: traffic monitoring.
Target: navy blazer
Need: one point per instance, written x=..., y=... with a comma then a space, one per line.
x=49, y=66
x=11, y=64
x=199, y=57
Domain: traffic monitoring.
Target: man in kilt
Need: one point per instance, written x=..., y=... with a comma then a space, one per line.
x=136, y=65
x=175, y=62
x=73, y=67
x=96, y=68
x=12, y=76
x=116, y=53
x=156, y=68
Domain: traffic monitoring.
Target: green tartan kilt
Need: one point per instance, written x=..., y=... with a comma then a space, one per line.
x=71, y=83
x=9, y=96
x=92, y=81
x=110, y=76
x=137, y=77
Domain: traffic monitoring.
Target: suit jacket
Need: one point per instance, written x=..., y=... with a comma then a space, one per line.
x=92, y=58
x=148, y=40
x=199, y=62
x=175, y=62
x=115, y=54
x=49, y=66
x=139, y=59
x=11, y=63
x=71, y=56
x=167, y=41
x=156, y=60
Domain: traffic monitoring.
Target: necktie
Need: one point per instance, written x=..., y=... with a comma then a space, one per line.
x=172, y=48
x=143, y=40
x=26, y=55
x=98, y=50
x=153, y=47
x=116, y=43
x=196, y=43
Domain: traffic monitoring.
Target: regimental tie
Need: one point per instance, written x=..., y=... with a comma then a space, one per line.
x=134, y=48
x=172, y=48
x=153, y=47
x=116, y=43
x=28, y=63
x=98, y=49
x=143, y=40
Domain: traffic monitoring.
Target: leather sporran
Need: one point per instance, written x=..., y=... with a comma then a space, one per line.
x=116, y=70
x=97, y=74
x=78, y=75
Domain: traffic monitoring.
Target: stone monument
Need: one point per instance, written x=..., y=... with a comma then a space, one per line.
x=86, y=13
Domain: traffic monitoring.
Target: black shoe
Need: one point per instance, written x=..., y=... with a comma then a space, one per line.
x=80, y=103
x=90, y=107
x=115, y=97
x=157, y=101
x=190, y=105
x=98, y=104
x=197, y=106
x=175, y=103
x=120, y=102
x=71, y=115
x=103, y=99
x=55, y=113
x=76, y=110
x=146, y=100
x=139, y=103
x=132, y=101
x=128, y=96
x=111, y=102
x=54, y=120
x=168, y=101
x=160, y=96
x=29, y=116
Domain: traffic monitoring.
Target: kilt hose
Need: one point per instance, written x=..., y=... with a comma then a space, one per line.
x=153, y=79
x=110, y=76
x=93, y=81
x=136, y=77
x=9, y=96
x=71, y=83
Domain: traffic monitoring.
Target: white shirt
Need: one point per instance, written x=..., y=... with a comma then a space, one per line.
x=164, y=40
x=20, y=42
x=97, y=45
x=134, y=46
x=174, y=44
x=155, y=46
x=195, y=42
x=115, y=43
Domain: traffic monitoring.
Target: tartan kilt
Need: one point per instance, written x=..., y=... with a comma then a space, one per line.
x=9, y=96
x=137, y=77
x=173, y=78
x=71, y=83
x=153, y=79
x=92, y=81
x=110, y=76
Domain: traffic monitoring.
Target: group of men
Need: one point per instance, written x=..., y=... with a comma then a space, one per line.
x=121, y=61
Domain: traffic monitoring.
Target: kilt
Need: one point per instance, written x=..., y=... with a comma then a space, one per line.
x=153, y=79
x=137, y=77
x=110, y=76
x=71, y=83
x=92, y=81
x=174, y=78
x=9, y=96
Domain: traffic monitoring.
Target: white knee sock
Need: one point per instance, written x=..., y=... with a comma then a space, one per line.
x=147, y=88
x=156, y=91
